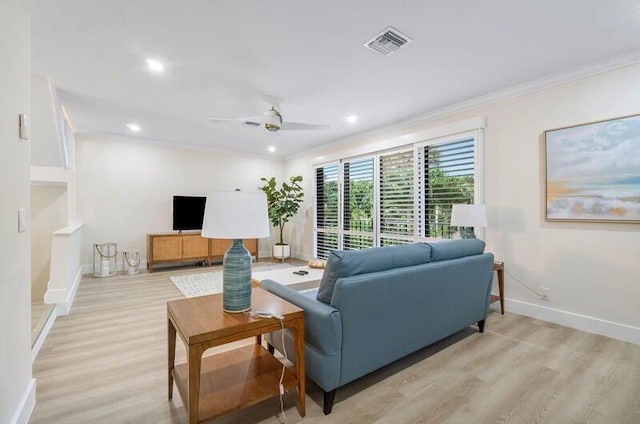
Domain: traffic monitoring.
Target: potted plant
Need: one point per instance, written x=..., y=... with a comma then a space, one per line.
x=283, y=203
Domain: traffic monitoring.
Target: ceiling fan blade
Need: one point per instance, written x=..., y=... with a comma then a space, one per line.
x=250, y=120
x=295, y=126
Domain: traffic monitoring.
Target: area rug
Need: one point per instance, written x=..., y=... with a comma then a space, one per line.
x=204, y=283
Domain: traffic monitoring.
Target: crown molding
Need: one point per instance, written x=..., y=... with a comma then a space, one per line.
x=553, y=80
x=171, y=145
x=623, y=60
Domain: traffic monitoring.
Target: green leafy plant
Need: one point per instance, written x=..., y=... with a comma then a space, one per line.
x=284, y=202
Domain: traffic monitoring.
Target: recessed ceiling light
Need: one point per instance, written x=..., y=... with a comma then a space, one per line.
x=155, y=65
x=272, y=149
x=352, y=119
x=133, y=127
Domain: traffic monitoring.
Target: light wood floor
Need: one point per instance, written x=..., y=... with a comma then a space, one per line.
x=106, y=363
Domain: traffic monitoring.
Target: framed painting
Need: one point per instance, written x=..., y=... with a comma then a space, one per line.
x=593, y=171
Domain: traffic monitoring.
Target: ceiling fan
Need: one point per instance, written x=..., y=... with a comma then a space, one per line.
x=272, y=120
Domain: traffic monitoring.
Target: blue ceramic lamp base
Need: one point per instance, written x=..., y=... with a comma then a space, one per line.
x=236, y=279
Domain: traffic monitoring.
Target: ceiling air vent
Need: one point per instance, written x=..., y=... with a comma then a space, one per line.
x=388, y=41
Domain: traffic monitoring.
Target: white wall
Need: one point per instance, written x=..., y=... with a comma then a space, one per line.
x=48, y=214
x=17, y=389
x=125, y=188
x=592, y=269
x=45, y=137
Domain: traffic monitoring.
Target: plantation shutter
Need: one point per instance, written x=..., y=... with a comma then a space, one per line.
x=358, y=204
x=326, y=210
x=396, y=198
x=447, y=178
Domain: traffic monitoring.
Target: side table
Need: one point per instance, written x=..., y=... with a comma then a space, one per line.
x=235, y=379
x=499, y=268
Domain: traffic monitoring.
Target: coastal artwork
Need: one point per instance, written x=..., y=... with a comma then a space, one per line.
x=593, y=171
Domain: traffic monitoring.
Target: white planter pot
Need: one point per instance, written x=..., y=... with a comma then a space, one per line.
x=281, y=251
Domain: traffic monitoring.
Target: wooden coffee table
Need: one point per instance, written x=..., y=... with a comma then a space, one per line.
x=235, y=379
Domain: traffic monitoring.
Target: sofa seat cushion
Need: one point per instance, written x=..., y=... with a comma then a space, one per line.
x=454, y=249
x=346, y=263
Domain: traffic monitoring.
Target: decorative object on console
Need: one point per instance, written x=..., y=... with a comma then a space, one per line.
x=236, y=215
x=104, y=259
x=590, y=173
x=284, y=203
x=469, y=216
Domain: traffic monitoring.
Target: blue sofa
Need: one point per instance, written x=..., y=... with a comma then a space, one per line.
x=377, y=305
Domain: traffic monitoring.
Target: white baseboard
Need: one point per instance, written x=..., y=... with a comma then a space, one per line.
x=27, y=403
x=35, y=349
x=55, y=296
x=88, y=268
x=63, y=299
x=615, y=330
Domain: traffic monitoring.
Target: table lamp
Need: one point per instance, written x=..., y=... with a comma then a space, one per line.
x=236, y=215
x=468, y=216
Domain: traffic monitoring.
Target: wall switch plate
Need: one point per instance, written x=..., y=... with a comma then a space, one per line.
x=22, y=220
x=23, y=123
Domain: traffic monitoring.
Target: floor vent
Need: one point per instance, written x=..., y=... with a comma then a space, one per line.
x=388, y=41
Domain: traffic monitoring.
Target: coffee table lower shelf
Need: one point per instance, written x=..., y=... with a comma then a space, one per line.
x=235, y=379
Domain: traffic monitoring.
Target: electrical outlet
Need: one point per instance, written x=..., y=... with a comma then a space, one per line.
x=545, y=293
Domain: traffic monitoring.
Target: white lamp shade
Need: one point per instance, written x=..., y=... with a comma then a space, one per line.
x=468, y=216
x=235, y=215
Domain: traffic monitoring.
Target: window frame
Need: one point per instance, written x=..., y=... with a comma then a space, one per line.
x=472, y=128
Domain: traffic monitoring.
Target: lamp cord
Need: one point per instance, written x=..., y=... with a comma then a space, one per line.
x=523, y=284
x=283, y=417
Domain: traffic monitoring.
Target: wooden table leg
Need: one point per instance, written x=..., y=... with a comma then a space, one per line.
x=501, y=288
x=300, y=365
x=171, y=354
x=194, y=362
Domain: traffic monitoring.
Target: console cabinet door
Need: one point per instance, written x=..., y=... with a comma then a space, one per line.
x=252, y=246
x=219, y=247
x=166, y=248
x=194, y=247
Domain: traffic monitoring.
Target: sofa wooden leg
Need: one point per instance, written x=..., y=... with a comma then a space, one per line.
x=481, y=326
x=270, y=348
x=329, y=397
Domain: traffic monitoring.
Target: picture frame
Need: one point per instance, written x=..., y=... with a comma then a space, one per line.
x=593, y=171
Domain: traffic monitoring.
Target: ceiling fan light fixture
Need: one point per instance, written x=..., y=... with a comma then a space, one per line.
x=272, y=120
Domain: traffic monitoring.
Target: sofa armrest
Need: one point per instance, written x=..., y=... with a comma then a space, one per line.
x=322, y=322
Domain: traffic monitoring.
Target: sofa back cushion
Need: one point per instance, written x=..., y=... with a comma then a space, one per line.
x=454, y=249
x=345, y=263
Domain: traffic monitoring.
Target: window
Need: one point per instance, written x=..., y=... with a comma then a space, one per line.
x=396, y=198
x=327, y=185
x=358, y=204
x=446, y=177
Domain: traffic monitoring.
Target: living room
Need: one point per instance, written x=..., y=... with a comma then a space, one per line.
x=124, y=182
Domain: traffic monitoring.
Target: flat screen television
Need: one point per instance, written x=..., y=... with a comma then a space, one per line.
x=188, y=212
